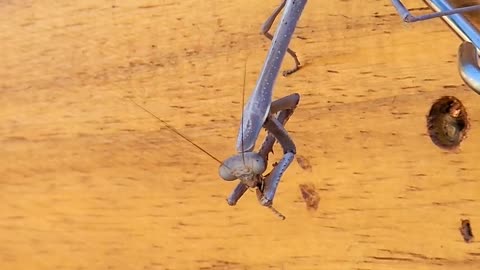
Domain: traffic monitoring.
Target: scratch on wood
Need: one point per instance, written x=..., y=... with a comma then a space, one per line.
x=391, y=258
x=304, y=163
x=310, y=195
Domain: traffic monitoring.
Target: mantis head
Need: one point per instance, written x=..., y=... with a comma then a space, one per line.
x=244, y=166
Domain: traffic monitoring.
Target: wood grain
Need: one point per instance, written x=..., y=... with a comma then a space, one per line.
x=89, y=181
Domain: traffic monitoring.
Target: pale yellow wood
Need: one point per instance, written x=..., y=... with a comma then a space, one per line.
x=89, y=181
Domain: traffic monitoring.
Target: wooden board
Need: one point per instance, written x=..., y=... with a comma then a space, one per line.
x=90, y=181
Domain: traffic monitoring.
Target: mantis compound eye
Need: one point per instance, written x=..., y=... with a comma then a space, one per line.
x=242, y=165
x=226, y=173
x=257, y=164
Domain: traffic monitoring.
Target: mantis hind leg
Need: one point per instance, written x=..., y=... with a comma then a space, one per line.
x=266, y=27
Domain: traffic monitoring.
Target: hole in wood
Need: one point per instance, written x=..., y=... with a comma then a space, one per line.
x=447, y=122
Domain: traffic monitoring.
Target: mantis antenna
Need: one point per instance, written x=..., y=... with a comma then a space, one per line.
x=178, y=133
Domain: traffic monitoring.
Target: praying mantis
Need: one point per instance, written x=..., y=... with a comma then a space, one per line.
x=248, y=166
x=260, y=112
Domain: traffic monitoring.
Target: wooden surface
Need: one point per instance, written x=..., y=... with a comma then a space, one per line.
x=89, y=181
